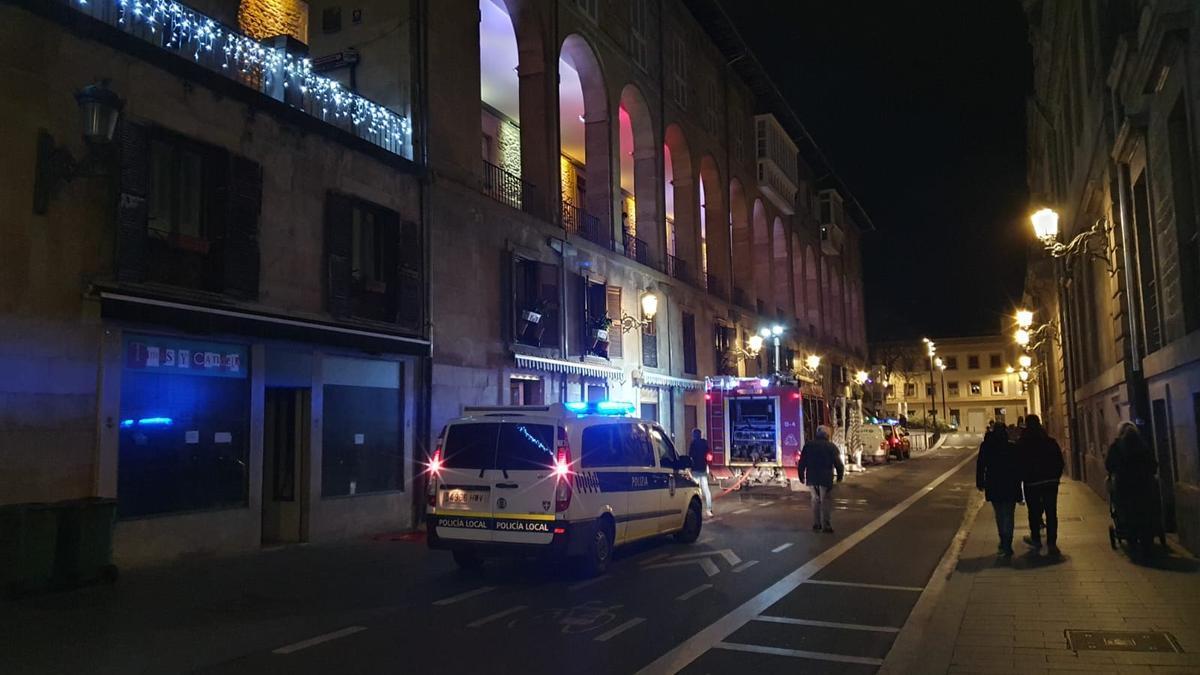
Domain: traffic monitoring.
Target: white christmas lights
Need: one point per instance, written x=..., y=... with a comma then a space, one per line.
x=180, y=28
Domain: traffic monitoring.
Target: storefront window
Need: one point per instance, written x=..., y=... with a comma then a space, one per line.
x=362, y=441
x=184, y=428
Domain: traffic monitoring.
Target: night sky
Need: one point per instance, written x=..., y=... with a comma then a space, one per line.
x=921, y=109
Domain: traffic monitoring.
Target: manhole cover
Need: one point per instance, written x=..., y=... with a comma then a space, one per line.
x=1122, y=641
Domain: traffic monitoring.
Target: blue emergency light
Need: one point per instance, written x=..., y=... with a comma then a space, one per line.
x=615, y=408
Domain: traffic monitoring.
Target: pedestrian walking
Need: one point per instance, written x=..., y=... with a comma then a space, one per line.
x=698, y=451
x=1133, y=487
x=998, y=477
x=1041, y=465
x=819, y=459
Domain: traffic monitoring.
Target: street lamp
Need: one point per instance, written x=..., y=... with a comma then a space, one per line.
x=1024, y=318
x=99, y=110
x=861, y=377
x=775, y=332
x=941, y=366
x=1021, y=337
x=1045, y=226
x=930, y=350
x=1025, y=360
x=812, y=362
x=649, y=309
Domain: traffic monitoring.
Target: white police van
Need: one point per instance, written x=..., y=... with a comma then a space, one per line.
x=567, y=479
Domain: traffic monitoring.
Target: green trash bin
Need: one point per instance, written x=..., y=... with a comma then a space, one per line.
x=85, y=534
x=28, y=541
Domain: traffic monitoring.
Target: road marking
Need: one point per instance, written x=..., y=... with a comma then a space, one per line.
x=881, y=587
x=710, y=568
x=678, y=658
x=781, y=547
x=655, y=558
x=705, y=540
x=605, y=637
x=498, y=615
x=305, y=644
x=464, y=596
x=798, y=653
x=740, y=511
x=745, y=566
x=825, y=624
x=765, y=504
x=589, y=582
x=728, y=554
x=695, y=591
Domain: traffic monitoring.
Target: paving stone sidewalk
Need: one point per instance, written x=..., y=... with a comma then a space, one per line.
x=995, y=616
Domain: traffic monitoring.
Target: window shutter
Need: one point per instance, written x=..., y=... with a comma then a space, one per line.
x=132, y=209
x=239, y=246
x=613, y=305
x=338, y=241
x=409, y=277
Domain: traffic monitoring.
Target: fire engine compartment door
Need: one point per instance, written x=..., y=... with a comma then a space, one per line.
x=753, y=429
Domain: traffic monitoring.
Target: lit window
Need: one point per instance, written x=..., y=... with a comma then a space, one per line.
x=998, y=387
x=976, y=388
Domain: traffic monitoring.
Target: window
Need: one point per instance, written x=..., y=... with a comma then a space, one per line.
x=910, y=390
x=723, y=337
x=712, y=116
x=602, y=446
x=363, y=447
x=634, y=442
x=589, y=8
x=952, y=387
x=526, y=390
x=177, y=191
x=639, y=30
x=470, y=446
x=613, y=309
x=514, y=446
x=650, y=342
x=951, y=363
x=662, y=447
x=689, y=343
x=891, y=391
x=976, y=388
x=535, y=303
x=1187, y=231
x=929, y=390
x=374, y=262
x=184, y=434
x=998, y=387
x=955, y=416
x=677, y=75
x=973, y=362
x=737, y=123
x=994, y=361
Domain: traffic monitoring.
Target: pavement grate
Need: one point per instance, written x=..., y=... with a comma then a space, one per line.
x=1122, y=641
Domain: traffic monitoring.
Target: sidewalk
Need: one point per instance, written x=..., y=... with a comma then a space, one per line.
x=981, y=614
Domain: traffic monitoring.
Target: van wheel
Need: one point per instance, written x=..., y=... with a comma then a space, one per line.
x=594, y=561
x=468, y=560
x=691, y=525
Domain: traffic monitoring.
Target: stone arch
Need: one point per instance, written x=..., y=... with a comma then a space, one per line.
x=762, y=257
x=679, y=194
x=812, y=292
x=781, y=270
x=585, y=136
x=797, y=275
x=639, y=173
x=714, y=227
x=741, y=243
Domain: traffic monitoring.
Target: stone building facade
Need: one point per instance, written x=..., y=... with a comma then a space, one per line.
x=1113, y=149
x=248, y=315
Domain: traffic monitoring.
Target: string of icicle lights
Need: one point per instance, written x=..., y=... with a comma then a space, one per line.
x=183, y=29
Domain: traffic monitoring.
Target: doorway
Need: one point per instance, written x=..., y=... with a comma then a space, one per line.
x=285, y=465
x=1166, y=461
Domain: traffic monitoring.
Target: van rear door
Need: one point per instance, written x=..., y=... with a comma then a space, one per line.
x=464, y=495
x=523, y=484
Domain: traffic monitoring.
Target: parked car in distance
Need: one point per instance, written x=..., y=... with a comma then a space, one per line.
x=899, y=446
x=875, y=445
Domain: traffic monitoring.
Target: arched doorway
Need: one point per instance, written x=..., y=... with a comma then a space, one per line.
x=781, y=270
x=638, y=164
x=681, y=225
x=584, y=143
x=741, y=243
x=812, y=292
x=798, y=279
x=714, y=228
x=762, y=259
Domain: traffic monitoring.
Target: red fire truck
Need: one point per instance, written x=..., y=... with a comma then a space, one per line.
x=758, y=426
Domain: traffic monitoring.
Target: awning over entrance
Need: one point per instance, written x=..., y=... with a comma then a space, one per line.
x=657, y=380
x=570, y=367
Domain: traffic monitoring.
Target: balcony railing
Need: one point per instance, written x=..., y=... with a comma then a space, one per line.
x=678, y=269
x=637, y=249
x=577, y=221
x=741, y=299
x=289, y=78
x=507, y=188
x=715, y=286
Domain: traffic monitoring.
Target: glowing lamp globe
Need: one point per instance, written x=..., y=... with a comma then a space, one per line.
x=1045, y=224
x=649, y=305
x=1025, y=360
x=1024, y=318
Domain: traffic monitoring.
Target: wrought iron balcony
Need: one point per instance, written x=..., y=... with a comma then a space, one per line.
x=507, y=188
x=637, y=249
x=577, y=221
x=274, y=72
x=741, y=299
x=715, y=286
x=678, y=269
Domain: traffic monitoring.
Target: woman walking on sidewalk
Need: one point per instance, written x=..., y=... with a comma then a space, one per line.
x=997, y=476
x=1041, y=465
x=818, y=460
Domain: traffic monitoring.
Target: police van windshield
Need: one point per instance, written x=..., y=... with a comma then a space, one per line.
x=499, y=445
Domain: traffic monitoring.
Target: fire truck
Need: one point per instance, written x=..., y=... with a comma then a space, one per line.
x=756, y=427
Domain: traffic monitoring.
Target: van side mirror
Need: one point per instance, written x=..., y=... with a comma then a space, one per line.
x=684, y=462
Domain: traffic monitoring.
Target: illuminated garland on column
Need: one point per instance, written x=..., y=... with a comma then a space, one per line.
x=186, y=30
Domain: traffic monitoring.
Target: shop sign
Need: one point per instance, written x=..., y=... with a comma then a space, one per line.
x=166, y=354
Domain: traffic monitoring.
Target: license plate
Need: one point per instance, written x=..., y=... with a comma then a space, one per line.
x=456, y=498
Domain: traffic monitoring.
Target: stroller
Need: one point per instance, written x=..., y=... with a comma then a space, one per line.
x=1136, y=518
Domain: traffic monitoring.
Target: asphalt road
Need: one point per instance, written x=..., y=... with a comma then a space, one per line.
x=759, y=592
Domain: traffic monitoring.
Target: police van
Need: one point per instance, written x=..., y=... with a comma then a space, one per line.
x=567, y=480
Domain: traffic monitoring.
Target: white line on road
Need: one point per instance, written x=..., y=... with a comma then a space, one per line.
x=781, y=547
x=305, y=644
x=740, y=511
x=605, y=637
x=881, y=587
x=825, y=624
x=705, y=540
x=710, y=568
x=678, y=658
x=464, y=596
x=798, y=653
x=765, y=504
x=745, y=566
x=726, y=553
x=498, y=615
x=655, y=558
x=695, y=591
x=589, y=582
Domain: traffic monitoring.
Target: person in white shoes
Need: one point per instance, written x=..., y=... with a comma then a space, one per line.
x=698, y=451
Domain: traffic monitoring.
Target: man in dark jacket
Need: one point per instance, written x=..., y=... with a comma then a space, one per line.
x=997, y=476
x=698, y=451
x=818, y=460
x=1041, y=464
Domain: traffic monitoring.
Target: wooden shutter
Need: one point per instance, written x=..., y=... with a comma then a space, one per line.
x=689, y=343
x=614, y=313
x=410, y=279
x=243, y=203
x=338, y=241
x=132, y=208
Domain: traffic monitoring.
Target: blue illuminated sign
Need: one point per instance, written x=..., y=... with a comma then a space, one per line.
x=616, y=408
x=175, y=356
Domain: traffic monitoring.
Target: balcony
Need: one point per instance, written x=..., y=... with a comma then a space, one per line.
x=742, y=299
x=637, y=249
x=715, y=287
x=831, y=216
x=678, y=268
x=832, y=239
x=508, y=189
x=579, y=222
x=289, y=78
x=776, y=156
